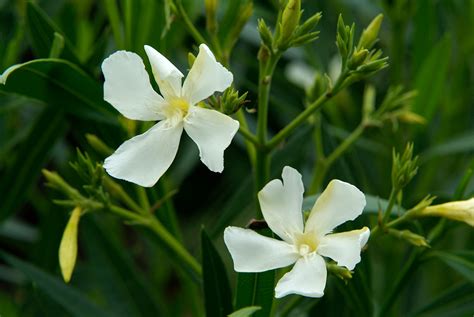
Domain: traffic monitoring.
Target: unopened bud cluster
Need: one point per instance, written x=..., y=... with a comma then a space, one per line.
x=289, y=32
x=404, y=167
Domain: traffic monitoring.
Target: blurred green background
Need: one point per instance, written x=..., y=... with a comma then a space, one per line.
x=122, y=269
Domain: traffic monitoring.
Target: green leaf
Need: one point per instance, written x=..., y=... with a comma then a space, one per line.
x=32, y=153
x=245, y=312
x=460, y=261
x=140, y=18
x=217, y=294
x=455, y=145
x=72, y=300
x=61, y=84
x=430, y=79
x=124, y=286
x=458, y=298
x=256, y=289
x=41, y=30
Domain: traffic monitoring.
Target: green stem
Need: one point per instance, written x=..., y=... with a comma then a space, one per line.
x=168, y=239
x=143, y=199
x=249, y=136
x=298, y=120
x=175, y=246
x=262, y=158
x=188, y=23
x=303, y=116
x=117, y=191
x=323, y=164
x=391, y=203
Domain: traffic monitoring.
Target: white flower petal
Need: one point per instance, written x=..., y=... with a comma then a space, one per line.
x=252, y=252
x=127, y=87
x=344, y=247
x=338, y=203
x=167, y=76
x=307, y=278
x=145, y=158
x=281, y=204
x=212, y=131
x=205, y=77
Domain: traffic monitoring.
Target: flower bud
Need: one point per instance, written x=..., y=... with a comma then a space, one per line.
x=373, y=66
x=357, y=58
x=368, y=105
x=57, y=182
x=289, y=21
x=404, y=167
x=339, y=271
x=462, y=210
x=370, y=34
x=265, y=33
x=231, y=102
x=191, y=59
x=68, y=246
x=411, y=117
x=410, y=237
x=309, y=24
x=98, y=145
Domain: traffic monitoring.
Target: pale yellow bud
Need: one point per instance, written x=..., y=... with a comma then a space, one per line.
x=462, y=210
x=68, y=246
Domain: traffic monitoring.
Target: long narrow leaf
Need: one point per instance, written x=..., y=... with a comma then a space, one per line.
x=60, y=83
x=41, y=30
x=218, y=298
x=72, y=300
x=33, y=152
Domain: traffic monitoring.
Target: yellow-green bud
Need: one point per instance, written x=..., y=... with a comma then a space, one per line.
x=411, y=117
x=98, y=145
x=57, y=182
x=68, y=246
x=309, y=24
x=410, y=237
x=265, y=33
x=191, y=59
x=339, y=271
x=370, y=34
x=369, y=101
x=462, y=210
x=358, y=58
x=289, y=21
x=404, y=167
x=231, y=102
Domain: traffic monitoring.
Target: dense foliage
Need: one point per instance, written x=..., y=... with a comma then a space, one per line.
x=367, y=131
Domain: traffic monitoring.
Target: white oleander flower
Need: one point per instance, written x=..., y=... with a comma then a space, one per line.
x=302, y=244
x=145, y=158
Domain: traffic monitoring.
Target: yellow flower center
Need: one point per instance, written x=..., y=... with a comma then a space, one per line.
x=181, y=104
x=306, y=243
x=177, y=108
